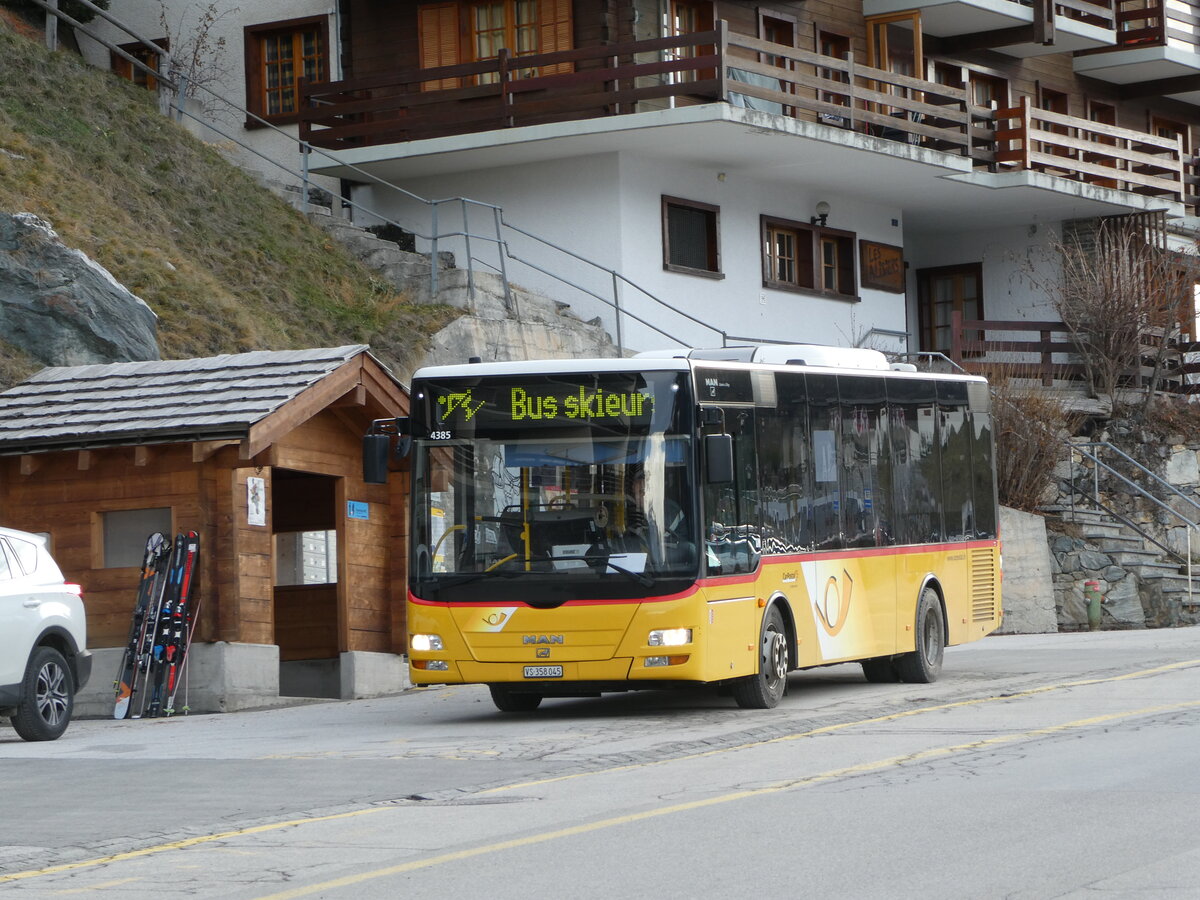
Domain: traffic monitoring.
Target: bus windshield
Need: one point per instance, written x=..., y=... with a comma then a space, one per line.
x=553, y=487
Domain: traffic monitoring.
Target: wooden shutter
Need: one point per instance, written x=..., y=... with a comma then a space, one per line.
x=437, y=30
x=555, y=32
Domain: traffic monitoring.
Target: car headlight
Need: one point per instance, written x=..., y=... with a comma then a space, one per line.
x=425, y=642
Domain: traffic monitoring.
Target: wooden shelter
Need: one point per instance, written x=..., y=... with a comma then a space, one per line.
x=260, y=453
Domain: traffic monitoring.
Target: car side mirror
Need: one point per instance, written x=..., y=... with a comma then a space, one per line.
x=718, y=458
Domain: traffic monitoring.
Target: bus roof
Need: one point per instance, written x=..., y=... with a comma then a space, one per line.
x=813, y=357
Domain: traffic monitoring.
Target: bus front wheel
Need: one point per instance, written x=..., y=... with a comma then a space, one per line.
x=924, y=664
x=507, y=700
x=766, y=688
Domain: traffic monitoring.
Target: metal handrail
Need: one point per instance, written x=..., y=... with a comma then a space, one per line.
x=1098, y=463
x=178, y=104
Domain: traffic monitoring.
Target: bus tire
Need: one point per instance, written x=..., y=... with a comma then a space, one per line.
x=765, y=688
x=924, y=664
x=881, y=670
x=508, y=700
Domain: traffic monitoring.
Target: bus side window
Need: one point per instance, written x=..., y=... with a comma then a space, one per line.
x=733, y=527
x=955, y=439
x=916, y=461
x=785, y=464
x=824, y=421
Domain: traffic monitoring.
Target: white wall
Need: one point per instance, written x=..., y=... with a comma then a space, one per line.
x=607, y=207
x=182, y=24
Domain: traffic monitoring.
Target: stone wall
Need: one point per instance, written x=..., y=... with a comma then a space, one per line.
x=1028, y=592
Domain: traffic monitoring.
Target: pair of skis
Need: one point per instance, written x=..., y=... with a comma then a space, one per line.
x=160, y=634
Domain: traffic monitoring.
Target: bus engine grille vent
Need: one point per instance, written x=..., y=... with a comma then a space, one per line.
x=983, y=584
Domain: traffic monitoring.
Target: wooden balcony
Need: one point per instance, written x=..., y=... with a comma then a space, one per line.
x=1046, y=354
x=721, y=67
x=1081, y=150
x=1158, y=23
x=1158, y=49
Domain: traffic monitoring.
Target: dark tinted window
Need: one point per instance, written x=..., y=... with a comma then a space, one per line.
x=955, y=438
x=866, y=506
x=733, y=522
x=785, y=460
x=916, y=469
x=825, y=426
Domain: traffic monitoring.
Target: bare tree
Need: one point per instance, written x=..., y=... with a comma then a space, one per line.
x=196, y=49
x=1124, y=298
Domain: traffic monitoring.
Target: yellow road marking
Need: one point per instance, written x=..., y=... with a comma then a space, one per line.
x=181, y=845
x=98, y=887
x=829, y=729
x=258, y=829
x=833, y=774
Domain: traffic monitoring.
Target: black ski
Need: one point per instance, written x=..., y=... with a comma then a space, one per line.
x=154, y=563
x=183, y=621
x=159, y=662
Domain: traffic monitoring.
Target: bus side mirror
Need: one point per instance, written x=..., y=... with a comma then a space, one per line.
x=377, y=443
x=718, y=458
x=376, y=448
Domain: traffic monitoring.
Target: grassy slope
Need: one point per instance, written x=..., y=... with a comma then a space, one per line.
x=227, y=266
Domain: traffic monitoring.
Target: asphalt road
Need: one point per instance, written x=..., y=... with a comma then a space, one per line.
x=1041, y=766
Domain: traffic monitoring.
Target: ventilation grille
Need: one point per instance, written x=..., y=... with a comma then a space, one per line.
x=983, y=584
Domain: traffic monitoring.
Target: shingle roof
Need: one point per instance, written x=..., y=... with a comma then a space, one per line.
x=216, y=397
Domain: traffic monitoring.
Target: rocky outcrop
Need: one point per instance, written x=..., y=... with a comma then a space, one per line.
x=63, y=308
x=521, y=325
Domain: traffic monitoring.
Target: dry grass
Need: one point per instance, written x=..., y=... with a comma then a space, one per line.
x=1030, y=424
x=227, y=266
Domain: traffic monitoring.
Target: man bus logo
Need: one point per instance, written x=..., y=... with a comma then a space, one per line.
x=833, y=612
x=541, y=639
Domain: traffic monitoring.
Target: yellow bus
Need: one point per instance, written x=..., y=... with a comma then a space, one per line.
x=696, y=517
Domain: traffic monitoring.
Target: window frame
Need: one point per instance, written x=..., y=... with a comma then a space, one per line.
x=817, y=237
x=714, y=237
x=123, y=68
x=253, y=36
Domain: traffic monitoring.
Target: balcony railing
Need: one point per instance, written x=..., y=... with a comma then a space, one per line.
x=717, y=66
x=1099, y=154
x=1158, y=23
x=1051, y=357
x=1100, y=13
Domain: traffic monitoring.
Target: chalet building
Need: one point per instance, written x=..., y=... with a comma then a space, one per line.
x=301, y=576
x=696, y=171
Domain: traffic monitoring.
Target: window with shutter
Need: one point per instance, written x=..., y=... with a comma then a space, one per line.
x=460, y=32
x=804, y=257
x=437, y=25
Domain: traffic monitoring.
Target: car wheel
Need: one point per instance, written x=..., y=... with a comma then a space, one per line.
x=47, y=697
x=507, y=700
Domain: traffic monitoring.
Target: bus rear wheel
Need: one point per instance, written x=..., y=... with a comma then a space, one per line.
x=508, y=700
x=924, y=664
x=766, y=688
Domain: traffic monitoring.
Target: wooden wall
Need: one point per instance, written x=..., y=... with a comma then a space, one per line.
x=66, y=494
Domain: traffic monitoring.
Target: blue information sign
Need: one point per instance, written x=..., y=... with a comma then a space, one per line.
x=356, y=509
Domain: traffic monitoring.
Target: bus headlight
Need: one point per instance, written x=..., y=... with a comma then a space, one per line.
x=425, y=642
x=670, y=637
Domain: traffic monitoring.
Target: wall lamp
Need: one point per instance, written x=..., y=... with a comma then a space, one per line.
x=822, y=214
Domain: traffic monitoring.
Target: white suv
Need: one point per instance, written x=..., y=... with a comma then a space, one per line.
x=43, y=660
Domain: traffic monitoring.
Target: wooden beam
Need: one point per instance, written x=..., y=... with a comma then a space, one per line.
x=30, y=463
x=303, y=407
x=202, y=450
x=356, y=396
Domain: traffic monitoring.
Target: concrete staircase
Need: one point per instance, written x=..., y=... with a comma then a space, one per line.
x=535, y=327
x=1090, y=545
